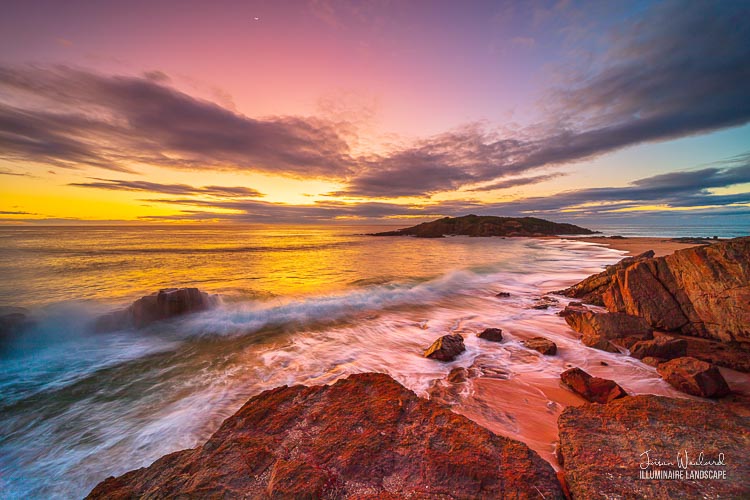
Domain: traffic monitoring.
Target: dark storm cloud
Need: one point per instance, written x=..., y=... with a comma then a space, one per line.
x=175, y=189
x=108, y=122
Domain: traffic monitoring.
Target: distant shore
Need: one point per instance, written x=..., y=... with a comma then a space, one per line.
x=638, y=245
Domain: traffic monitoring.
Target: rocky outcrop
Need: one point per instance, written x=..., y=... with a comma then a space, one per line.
x=592, y=288
x=592, y=389
x=446, y=348
x=661, y=347
x=602, y=448
x=491, y=334
x=363, y=437
x=542, y=345
x=475, y=225
x=166, y=303
x=605, y=331
x=701, y=291
x=693, y=376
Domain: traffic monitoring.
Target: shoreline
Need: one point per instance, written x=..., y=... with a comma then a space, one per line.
x=638, y=244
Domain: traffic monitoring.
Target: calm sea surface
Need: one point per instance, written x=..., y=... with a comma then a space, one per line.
x=299, y=305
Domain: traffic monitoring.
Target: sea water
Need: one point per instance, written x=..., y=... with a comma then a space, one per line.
x=299, y=305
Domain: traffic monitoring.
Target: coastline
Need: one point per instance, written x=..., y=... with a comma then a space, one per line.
x=637, y=245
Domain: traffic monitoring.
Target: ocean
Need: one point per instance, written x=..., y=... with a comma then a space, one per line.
x=299, y=305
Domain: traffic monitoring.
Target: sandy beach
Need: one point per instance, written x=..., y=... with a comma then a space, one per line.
x=638, y=245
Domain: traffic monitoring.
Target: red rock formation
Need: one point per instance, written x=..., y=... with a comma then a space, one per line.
x=363, y=437
x=591, y=289
x=702, y=291
x=695, y=377
x=592, y=389
x=601, y=447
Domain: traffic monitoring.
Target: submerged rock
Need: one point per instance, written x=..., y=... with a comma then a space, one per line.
x=491, y=334
x=592, y=389
x=366, y=436
x=541, y=345
x=166, y=303
x=13, y=320
x=602, y=448
x=446, y=348
x=695, y=377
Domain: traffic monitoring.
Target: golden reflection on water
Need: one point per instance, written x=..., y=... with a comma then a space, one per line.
x=117, y=264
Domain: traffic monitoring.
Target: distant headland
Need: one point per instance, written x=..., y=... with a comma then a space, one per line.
x=487, y=225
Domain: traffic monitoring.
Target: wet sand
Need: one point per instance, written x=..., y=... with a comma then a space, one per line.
x=638, y=245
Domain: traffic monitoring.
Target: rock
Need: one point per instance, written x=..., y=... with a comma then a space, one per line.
x=446, y=348
x=541, y=345
x=593, y=389
x=503, y=295
x=13, y=320
x=701, y=291
x=366, y=436
x=652, y=361
x=592, y=288
x=602, y=447
x=474, y=225
x=660, y=347
x=732, y=355
x=573, y=308
x=603, y=330
x=693, y=376
x=166, y=303
x=492, y=334
x=450, y=389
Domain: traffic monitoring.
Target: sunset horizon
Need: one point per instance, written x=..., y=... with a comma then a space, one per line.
x=318, y=112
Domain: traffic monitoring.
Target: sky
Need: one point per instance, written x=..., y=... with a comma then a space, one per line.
x=373, y=111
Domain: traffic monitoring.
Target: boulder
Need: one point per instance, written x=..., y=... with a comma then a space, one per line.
x=604, y=330
x=602, y=448
x=693, y=376
x=492, y=334
x=502, y=295
x=13, y=320
x=592, y=389
x=165, y=304
x=446, y=348
x=541, y=345
x=363, y=437
x=661, y=347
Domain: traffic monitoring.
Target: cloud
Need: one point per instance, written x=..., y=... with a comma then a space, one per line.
x=677, y=70
x=689, y=188
x=520, y=181
x=6, y=171
x=71, y=118
x=4, y=212
x=174, y=189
